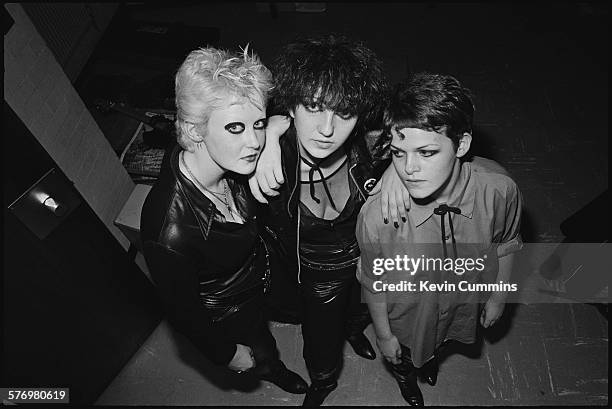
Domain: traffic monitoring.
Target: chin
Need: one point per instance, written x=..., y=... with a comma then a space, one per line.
x=246, y=169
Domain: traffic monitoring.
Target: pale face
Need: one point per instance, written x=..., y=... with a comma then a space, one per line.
x=235, y=135
x=424, y=160
x=321, y=131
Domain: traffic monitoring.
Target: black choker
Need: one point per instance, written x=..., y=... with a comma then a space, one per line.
x=311, y=182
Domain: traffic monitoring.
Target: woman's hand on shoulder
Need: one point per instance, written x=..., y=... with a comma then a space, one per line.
x=268, y=175
x=395, y=199
x=243, y=359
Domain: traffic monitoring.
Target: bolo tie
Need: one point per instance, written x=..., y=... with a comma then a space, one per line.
x=442, y=210
x=316, y=167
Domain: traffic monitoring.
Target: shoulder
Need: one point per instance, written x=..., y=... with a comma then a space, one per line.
x=500, y=185
x=484, y=165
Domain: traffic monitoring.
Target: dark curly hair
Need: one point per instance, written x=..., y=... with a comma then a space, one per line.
x=431, y=102
x=348, y=75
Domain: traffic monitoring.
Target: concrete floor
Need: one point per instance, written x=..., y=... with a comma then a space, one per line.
x=540, y=80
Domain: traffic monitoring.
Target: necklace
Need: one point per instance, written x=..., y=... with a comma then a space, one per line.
x=221, y=197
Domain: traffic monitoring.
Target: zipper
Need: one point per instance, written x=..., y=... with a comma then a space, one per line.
x=355, y=182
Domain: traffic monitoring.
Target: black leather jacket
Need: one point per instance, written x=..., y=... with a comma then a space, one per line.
x=201, y=281
x=281, y=216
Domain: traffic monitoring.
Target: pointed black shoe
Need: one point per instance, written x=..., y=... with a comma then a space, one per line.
x=317, y=392
x=429, y=371
x=287, y=380
x=361, y=345
x=410, y=390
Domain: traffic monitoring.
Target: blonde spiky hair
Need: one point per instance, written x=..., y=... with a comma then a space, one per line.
x=209, y=77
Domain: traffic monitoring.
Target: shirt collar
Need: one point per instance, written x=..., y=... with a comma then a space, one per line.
x=462, y=196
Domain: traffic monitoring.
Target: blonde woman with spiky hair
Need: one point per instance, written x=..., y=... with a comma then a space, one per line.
x=201, y=238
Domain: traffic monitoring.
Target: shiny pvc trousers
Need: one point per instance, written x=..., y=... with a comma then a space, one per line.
x=332, y=310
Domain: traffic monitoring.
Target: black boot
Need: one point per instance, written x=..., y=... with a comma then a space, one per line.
x=285, y=379
x=429, y=371
x=318, y=391
x=406, y=377
x=361, y=345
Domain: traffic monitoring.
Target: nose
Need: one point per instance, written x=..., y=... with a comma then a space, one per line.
x=412, y=164
x=326, y=126
x=252, y=141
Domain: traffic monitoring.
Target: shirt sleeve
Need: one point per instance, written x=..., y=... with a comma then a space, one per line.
x=177, y=283
x=510, y=239
x=369, y=245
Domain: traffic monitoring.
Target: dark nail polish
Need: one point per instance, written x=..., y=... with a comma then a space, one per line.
x=396, y=224
x=386, y=221
x=404, y=219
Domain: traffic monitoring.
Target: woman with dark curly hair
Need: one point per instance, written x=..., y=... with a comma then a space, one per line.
x=331, y=88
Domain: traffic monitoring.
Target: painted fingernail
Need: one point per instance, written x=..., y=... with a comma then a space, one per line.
x=404, y=219
x=386, y=220
x=396, y=224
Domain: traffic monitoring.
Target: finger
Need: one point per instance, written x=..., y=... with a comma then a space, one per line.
x=278, y=174
x=482, y=317
x=393, y=216
x=406, y=199
x=255, y=190
x=271, y=179
x=263, y=185
x=401, y=209
x=384, y=206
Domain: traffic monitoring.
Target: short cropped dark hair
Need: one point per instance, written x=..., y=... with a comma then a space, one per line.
x=431, y=102
x=348, y=74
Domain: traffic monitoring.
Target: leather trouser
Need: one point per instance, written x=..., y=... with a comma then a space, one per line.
x=247, y=326
x=332, y=310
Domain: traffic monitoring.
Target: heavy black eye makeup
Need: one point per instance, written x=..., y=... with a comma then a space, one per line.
x=235, y=127
x=261, y=124
x=427, y=153
x=313, y=106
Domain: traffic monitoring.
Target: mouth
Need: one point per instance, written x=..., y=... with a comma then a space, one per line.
x=414, y=180
x=323, y=144
x=250, y=158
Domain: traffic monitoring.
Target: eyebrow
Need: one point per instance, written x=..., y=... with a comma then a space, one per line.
x=420, y=147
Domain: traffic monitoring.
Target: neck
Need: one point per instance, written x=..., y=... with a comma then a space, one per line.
x=206, y=170
x=327, y=165
x=442, y=195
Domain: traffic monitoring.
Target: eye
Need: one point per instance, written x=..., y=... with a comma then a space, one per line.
x=427, y=153
x=261, y=124
x=313, y=107
x=235, y=127
x=345, y=115
x=397, y=153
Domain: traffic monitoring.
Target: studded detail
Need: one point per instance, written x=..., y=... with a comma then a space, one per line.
x=369, y=185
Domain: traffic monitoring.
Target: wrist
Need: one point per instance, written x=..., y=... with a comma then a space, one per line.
x=498, y=297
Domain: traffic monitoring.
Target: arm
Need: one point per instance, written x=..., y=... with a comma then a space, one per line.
x=268, y=174
x=177, y=283
x=509, y=243
x=387, y=343
x=494, y=306
x=395, y=199
x=369, y=244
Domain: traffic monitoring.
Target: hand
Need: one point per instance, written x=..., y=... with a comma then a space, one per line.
x=395, y=199
x=390, y=348
x=491, y=313
x=243, y=359
x=268, y=174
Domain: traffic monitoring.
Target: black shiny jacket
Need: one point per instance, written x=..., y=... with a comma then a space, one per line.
x=176, y=222
x=281, y=216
